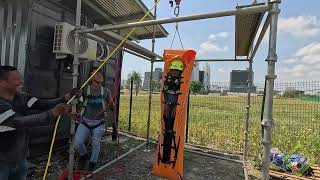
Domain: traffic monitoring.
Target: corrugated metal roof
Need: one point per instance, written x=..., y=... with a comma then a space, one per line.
x=124, y=11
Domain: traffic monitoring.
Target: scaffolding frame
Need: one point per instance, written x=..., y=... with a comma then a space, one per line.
x=270, y=6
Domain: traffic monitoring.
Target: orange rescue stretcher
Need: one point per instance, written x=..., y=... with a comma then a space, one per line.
x=168, y=161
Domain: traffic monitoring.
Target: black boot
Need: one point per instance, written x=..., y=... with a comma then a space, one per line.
x=92, y=166
x=83, y=161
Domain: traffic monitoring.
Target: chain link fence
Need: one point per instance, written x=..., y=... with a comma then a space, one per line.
x=217, y=117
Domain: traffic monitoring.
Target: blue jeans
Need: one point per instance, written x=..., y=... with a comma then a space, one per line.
x=82, y=134
x=13, y=171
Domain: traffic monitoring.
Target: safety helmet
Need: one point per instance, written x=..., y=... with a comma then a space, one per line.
x=177, y=64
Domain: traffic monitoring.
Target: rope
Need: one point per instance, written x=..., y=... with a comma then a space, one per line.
x=85, y=83
x=174, y=36
x=179, y=36
x=176, y=13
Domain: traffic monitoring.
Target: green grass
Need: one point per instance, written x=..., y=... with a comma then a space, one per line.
x=218, y=122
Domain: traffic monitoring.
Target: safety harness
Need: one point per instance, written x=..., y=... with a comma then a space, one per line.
x=84, y=105
x=171, y=90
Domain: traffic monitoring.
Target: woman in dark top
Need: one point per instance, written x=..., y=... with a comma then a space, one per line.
x=92, y=119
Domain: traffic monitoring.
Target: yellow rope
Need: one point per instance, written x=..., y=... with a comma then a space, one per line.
x=85, y=83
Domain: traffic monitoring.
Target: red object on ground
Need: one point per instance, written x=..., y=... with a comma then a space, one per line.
x=75, y=175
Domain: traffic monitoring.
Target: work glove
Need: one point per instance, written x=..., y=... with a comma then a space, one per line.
x=59, y=109
x=74, y=92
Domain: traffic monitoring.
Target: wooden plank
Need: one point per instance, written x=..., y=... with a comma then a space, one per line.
x=286, y=176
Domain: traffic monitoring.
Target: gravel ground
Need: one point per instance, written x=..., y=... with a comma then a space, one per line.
x=138, y=165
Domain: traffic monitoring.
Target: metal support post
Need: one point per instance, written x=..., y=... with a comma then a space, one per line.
x=246, y=129
x=151, y=85
x=267, y=114
x=130, y=110
x=75, y=75
x=149, y=109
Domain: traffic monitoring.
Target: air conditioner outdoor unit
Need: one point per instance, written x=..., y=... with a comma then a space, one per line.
x=63, y=43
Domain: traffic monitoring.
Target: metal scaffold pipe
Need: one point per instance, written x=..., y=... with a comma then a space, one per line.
x=151, y=85
x=75, y=75
x=267, y=113
x=248, y=10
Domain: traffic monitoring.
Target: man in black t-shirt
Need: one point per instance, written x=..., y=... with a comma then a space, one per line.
x=15, y=120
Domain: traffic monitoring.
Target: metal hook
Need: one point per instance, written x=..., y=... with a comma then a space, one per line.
x=171, y=3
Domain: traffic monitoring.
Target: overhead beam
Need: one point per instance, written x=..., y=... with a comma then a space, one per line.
x=113, y=38
x=248, y=10
x=221, y=60
x=136, y=54
x=217, y=60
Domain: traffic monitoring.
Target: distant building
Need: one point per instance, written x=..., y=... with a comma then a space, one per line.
x=157, y=76
x=239, y=81
x=206, y=77
x=201, y=76
x=195, y=72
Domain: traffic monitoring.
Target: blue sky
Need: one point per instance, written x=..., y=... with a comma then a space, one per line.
x=298, y=40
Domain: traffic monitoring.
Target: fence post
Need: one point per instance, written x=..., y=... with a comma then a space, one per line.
x=188, y=110
x=246, y=129
x=130, y=108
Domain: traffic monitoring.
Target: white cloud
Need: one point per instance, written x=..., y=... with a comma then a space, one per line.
x=219, y=35
x=300, y=26
x=222, y=70
x=289, y=61
x=311, y=49
x=309, y=54
x=305, y=65
x=209, y=46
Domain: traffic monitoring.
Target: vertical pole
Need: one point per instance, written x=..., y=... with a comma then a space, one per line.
x=267, y=114
x=150, y=104
x=246, y=129
x=117, y=80
x=151, y=80
x=75, y=75
x=130, y=111
x=188, y=110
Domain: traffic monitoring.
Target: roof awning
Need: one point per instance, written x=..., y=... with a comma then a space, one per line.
x=103, y=12
x=246, y=27
x=122, y=11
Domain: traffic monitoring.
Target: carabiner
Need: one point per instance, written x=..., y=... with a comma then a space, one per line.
x=177, y=11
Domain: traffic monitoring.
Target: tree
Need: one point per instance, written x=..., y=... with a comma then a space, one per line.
x=195, y=87
x=137, y=80
x=293, y=93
